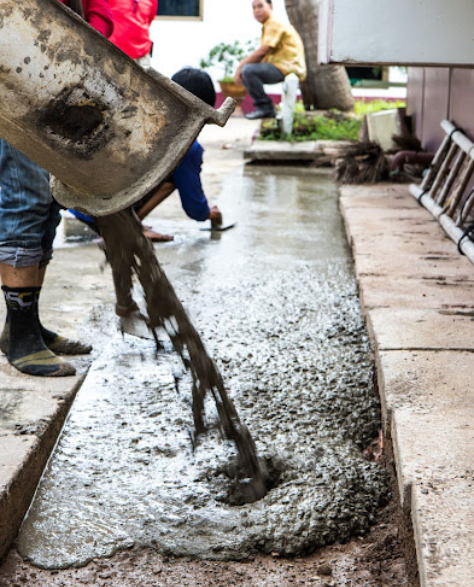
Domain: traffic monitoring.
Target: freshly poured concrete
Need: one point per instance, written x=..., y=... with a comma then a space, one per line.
x=418, y=376
x=276, y=303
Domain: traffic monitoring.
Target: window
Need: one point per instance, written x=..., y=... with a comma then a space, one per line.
x=191, y=9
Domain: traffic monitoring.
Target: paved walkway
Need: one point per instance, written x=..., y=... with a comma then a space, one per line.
x=417, y=294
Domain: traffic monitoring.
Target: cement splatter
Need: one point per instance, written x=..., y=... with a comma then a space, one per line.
x=276, y=303
x=131, y=254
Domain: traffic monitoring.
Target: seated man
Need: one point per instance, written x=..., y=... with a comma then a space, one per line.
x=187, y=176
x=281, y=52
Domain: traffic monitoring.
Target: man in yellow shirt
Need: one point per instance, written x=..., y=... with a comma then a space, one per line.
x=280, y=53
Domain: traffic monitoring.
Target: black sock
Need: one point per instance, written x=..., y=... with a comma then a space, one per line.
x=57, y=343
x=27, y=350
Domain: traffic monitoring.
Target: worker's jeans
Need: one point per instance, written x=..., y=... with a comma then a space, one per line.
x=28, y=214
x=254, y=75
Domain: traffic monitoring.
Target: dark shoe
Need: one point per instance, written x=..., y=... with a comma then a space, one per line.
x=259, y=113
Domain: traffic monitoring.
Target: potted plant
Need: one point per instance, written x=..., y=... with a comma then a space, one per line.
x=227, y=57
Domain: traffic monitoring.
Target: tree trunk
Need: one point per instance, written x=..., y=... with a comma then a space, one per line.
x=326, y=86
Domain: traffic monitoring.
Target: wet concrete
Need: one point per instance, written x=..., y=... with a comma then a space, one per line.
x=275, y=300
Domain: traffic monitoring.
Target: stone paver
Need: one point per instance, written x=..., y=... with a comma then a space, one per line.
x=404, y=328
x=396, y=291
x=437, y=380
x=445, y=510
x=417, y=293
x=431, y=443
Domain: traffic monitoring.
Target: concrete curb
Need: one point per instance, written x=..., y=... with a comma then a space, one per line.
x=417, y=295
x=322, y=152
x=34, y=409
x=29, y=428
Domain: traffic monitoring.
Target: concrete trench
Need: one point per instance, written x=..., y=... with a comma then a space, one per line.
x=276, y=303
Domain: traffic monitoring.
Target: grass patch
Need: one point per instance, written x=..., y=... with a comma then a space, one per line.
x=331, y=125
x=363, y=107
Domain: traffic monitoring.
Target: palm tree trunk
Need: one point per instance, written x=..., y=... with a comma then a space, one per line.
x=326, y=86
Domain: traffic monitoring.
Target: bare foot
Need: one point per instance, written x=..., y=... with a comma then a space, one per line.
x=156, y=237
x=215, y=217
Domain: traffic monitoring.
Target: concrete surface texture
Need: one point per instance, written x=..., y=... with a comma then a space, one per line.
x=417, y=294
x=77, y=284
x=410, y=277
x=33, y=409
x=284, y=354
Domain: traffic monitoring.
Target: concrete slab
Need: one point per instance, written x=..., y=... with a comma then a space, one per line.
x=386, y=221
x=431, y=444
x=434, y=380
x=397, y=292
x=389, y=198
x=384, y=190
x=382, y=126
x=417, y=293
x=29, y=428
x=405, y=328
x=443, y=524
x=28, y=412
x=397, y=234
x=411, y=265
x=283, y=150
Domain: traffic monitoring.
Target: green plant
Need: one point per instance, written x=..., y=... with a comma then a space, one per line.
x=227, y=57
x=363, y=107
x=330, y=125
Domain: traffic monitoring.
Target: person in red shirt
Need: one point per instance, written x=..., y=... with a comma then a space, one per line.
x=98, y=14
x=132, y=21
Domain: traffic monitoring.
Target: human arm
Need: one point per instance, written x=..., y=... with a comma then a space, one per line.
x=154, y=199
x=187, y=178
x=99, y=15
x=255, y=57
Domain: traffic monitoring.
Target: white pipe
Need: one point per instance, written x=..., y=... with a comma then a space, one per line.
x=454, y=232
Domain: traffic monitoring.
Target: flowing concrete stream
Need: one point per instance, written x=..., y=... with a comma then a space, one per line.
x=275, y=301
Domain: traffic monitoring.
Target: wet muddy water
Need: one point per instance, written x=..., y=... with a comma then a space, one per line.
x=275, y=302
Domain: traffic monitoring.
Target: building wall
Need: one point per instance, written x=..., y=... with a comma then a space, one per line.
x=178, y=43
x=438, y=93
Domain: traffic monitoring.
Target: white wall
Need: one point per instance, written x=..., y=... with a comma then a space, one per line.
x=180, y=43
x=417, y=32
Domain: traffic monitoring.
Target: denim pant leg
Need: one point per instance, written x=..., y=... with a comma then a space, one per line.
x=54, y=218
x=28, y=214
x=254, y=75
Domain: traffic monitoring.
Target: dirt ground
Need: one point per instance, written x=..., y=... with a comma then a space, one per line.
x=375, y=560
